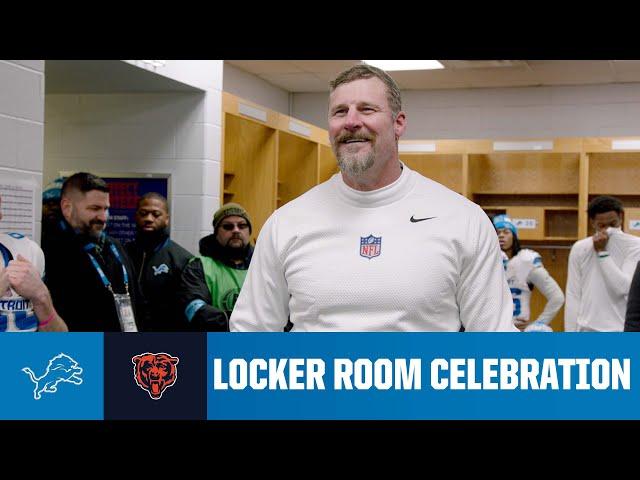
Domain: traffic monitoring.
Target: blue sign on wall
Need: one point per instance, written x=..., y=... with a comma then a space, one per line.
x=123, y=196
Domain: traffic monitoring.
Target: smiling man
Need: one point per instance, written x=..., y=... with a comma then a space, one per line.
x=88, y=273
x=377, y=247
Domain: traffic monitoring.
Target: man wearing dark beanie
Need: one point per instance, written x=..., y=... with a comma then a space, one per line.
x=212, y=281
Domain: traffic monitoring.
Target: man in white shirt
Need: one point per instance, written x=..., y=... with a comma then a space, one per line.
x=600, y=271
x=377, y=247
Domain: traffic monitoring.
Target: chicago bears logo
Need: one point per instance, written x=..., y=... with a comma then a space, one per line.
x=155, y=372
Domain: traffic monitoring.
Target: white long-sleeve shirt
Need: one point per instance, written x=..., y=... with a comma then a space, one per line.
x=412, y=256
x=598, y=286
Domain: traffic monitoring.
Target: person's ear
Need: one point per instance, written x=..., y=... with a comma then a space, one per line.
x=399, y=125
x=66, y=206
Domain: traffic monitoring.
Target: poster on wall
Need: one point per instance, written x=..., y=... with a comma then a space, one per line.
x=17, y=191
x=124, y=191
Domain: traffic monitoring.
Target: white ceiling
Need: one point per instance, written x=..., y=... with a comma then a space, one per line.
x=314, y=75
x=105, y=76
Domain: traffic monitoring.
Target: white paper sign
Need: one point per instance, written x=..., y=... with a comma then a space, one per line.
x=634, y=224
x=18, y=206
x=525, y=223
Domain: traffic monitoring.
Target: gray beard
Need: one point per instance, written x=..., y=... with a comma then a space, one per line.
x=356, y=167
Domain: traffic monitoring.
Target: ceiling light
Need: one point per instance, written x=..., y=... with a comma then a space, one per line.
x=393, y=65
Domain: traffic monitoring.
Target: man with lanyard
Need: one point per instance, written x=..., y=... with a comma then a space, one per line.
x=211, y=282
x=25, y=302
x=88, y=273
x=158, y=262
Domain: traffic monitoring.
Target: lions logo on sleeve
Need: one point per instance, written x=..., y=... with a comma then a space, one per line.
x=518, y=270
x=16, y=312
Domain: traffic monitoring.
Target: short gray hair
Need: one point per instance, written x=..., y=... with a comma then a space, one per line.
x=363, y=71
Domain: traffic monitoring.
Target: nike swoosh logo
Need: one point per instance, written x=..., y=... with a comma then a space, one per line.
x=416, y=220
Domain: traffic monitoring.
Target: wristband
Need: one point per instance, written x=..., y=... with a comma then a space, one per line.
x=47, y=321
x=603, y=254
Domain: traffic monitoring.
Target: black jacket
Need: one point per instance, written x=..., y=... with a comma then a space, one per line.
x=193, y=286
x=158, y=266
x=78, y=293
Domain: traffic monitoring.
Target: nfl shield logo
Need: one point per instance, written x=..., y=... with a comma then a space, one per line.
x=370, y=246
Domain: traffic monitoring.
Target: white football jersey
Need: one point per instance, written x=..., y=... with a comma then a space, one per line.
x=16, y=312
x=518, y=270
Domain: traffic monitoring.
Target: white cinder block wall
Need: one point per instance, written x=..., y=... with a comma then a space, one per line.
x=22, y=124
x=172, y=133
x=528, y=112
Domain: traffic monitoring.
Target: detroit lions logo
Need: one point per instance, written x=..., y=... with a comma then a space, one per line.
x=61, y=368
x=229, y=300
x=160, y=269
x=370, y=246
x=155, y=372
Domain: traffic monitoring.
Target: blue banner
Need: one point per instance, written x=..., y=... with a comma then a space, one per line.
x=324, y=376
x=53, y=376
x=423, y=376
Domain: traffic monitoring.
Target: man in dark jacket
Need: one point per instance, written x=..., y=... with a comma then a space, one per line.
x=88, y=273
x=158, y=262
x=212, y=281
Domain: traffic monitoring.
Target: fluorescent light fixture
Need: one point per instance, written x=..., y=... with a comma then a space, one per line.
x=506, y=146
x=394, y=65
x=625, y=145
x=416, y=147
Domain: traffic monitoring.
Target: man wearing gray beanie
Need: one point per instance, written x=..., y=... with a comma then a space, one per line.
x=211, y=282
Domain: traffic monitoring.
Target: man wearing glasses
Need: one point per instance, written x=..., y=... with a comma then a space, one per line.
x=212, y=281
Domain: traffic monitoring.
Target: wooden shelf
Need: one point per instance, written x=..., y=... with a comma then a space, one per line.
x=271, y=160
x=327, y=163
x=533, y=173
x=297, y=166
x=250, y=162
x=442, y=168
